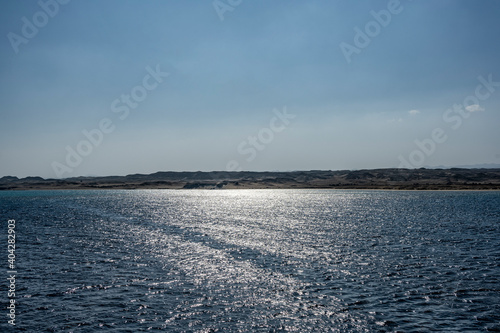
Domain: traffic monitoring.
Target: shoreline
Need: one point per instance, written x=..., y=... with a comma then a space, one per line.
x=375, y=179
x=246, y=189
x=134, y=188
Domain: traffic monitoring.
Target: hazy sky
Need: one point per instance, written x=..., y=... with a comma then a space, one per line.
x=117, y=87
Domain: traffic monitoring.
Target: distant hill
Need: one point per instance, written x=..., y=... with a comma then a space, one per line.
x=471, y=166
x=399, y=179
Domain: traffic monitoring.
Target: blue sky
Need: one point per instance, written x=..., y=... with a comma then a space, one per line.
x=232, y=66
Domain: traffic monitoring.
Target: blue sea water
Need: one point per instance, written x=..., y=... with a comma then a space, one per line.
x=253, y=261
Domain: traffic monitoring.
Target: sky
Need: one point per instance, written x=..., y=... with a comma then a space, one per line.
x=120, y=87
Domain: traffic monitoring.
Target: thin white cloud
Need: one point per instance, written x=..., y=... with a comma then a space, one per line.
x=394, y=120
x=474, y=108
x=413, y=112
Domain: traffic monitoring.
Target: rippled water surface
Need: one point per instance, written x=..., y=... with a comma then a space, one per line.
x=254, y=260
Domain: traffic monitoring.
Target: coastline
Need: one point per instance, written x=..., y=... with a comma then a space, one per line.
x=375, y=179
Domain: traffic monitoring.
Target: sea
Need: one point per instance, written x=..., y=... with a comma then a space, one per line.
x=251, y=261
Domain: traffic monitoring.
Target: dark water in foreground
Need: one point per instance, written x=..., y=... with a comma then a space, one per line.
x=254, y=260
